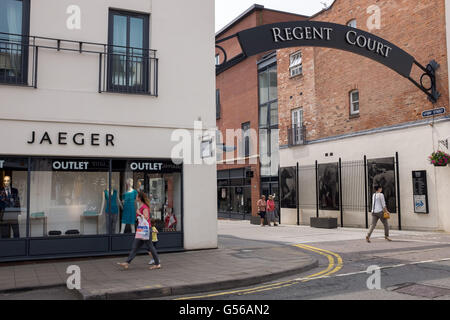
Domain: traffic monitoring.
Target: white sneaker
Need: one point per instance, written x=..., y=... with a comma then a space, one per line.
x=152, y=261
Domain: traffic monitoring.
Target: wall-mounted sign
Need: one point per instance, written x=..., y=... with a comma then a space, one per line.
x=145, y=166
x=434, y=112
x=325, y=34
x=70, y=165
x=276, y=36
x=420, y=191
x=79, y=139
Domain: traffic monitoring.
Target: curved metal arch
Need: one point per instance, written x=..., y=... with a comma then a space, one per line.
x=330, y=35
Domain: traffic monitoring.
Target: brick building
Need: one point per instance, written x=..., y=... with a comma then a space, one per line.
x=241, y=179
x=347, y=108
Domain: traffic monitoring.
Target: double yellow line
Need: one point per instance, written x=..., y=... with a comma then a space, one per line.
x=333, y=267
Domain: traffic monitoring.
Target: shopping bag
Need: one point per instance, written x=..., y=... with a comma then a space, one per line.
x=143, y=229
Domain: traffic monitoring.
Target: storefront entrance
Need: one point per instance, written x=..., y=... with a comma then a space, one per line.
x=54, y=207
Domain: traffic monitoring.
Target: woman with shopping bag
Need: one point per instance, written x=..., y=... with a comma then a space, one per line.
x=379, y=212
x=143, y=233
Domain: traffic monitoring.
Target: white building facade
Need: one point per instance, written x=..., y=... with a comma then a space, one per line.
x=91, y=93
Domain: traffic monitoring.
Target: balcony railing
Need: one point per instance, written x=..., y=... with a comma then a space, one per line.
x=296, y=135
x=120, y=69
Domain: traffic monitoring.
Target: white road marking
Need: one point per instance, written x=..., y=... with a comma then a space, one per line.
x=381, y=268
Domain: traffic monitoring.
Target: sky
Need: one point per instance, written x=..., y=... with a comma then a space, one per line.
x=228, y=10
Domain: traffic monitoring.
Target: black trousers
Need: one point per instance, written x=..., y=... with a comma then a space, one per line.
x=137, y=244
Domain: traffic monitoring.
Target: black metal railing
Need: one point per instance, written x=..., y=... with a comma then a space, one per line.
x=121, y=69
x=296, y=135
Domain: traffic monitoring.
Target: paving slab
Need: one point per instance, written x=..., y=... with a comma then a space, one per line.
x=182, y=273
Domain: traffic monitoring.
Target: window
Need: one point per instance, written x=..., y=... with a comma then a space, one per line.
x=66, y=197
x=352, y=23
x=297, y=130
x=246, y=139
x=296, y=66
x=217, y=104
x=297, y=117
x=13, y=197
x=268, y=120
x=14, y=28
x=354, y=102
x=217, y=59
x=128, y=61
x=160, y=181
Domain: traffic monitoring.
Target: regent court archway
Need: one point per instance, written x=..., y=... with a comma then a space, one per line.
x=330, y=35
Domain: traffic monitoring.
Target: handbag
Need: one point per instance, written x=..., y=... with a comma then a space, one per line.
x=386, y=214
x=143, y=229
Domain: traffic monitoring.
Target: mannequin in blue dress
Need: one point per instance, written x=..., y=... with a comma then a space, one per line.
x=129, y=207
x=112, y=211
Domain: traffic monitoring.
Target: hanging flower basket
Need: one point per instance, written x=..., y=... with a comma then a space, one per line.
x=439, y=159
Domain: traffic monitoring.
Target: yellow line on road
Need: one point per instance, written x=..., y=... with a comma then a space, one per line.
x=329, y=270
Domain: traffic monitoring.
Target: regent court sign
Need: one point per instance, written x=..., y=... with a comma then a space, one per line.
x=330, y=35
x=325, y=34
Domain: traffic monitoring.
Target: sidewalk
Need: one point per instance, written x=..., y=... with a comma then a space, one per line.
x=189, y=272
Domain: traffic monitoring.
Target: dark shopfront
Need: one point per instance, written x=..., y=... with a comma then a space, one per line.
x=55, y=207
x=234, y=194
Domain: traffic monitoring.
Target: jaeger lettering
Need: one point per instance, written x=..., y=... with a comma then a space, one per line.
x=78, y=139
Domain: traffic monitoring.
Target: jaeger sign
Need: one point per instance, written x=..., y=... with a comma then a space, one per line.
x=325, y=34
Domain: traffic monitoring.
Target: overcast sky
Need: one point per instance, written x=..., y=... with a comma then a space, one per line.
x=228, y=10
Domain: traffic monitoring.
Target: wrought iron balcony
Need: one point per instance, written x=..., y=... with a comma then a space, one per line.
x=296, y=135
x=120, y=69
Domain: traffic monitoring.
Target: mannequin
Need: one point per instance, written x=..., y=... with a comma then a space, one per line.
x=112, y=211
x=129, y=206
x=9, y=209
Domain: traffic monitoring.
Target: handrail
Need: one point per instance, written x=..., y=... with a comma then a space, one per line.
x=59, y=41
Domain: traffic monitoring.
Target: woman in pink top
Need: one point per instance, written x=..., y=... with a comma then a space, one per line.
x=143, y=212
x=271, y=211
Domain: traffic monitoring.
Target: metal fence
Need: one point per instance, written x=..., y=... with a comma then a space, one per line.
x=353, y=189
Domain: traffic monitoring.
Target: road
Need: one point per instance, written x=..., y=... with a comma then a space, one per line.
x=415, y=266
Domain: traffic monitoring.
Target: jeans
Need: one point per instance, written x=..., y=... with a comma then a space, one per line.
x=375, y=217
x=137, y=244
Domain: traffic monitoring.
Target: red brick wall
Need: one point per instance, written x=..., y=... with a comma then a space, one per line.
x=239, y=91
x=386, y=98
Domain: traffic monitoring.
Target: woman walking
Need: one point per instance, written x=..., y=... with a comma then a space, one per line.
x=271, y=212
x=378, y=208
x=143, y=213
x=262, y=209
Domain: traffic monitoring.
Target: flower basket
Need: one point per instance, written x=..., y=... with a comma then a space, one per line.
x=439, y=159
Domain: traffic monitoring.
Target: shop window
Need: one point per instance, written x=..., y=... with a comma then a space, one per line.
x=160, y=181
x=14, y=25
x=66, y=197
x=128, y=52
x=354, y=103
x=13, y=197
x=296, y=65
